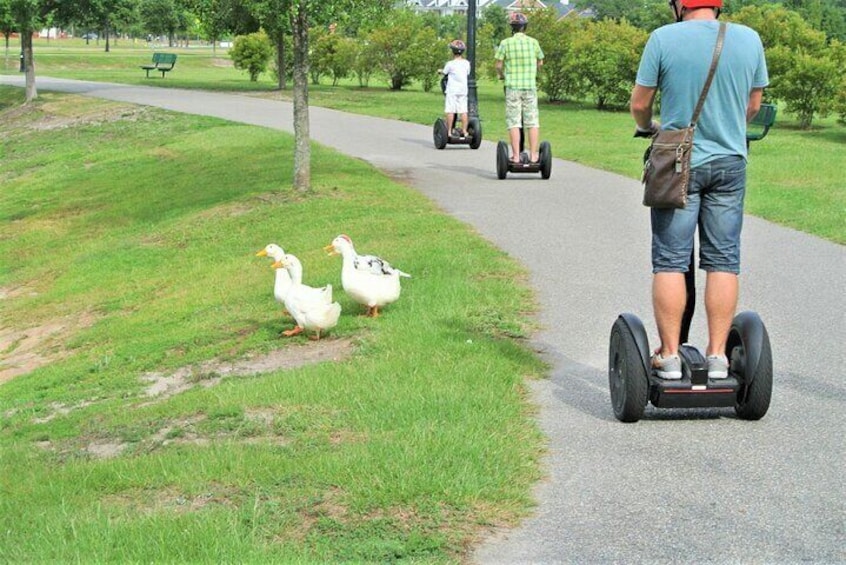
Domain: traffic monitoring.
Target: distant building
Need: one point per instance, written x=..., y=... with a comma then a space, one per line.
x=460, y=7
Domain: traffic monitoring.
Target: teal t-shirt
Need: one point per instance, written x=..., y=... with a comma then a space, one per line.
x=676, y=61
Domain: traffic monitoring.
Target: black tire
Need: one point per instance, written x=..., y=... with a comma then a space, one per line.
x=627, y=377
x=545, y=159
x=501, y=160
x=439, y=133
x=475, y=127
x=751, y=358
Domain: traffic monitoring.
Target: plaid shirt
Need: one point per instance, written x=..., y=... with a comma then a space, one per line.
x=521, y=54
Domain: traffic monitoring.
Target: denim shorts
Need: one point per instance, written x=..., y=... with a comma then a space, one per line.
x=521, y=108
x=715, y=205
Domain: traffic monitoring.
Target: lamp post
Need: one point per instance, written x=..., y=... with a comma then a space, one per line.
x=472, y=101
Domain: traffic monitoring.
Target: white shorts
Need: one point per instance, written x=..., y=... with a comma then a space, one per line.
x=455, y=104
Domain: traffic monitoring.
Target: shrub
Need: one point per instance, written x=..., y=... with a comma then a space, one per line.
x=252, y=53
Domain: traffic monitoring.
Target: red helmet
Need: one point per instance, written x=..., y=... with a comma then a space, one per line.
x=457, y=46
x=693, y=4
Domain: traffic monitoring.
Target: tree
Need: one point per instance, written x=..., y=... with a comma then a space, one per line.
x=400, y=44
x=492, y=27
x=29, y=14
x=828, y=16
x=605, y=61
x=809, y=86
x=333, y=55
x=216, y=19
x=252, y=53
x=803, y=68
x=275, y=18
x=7, y=21
x=302, y=134
x=365, y=54
x=645, y=14
x=160, y=17
x=556, y=37
x=102, y=15
x=838, y=105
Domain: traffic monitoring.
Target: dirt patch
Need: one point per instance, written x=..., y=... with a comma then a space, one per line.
x=211, y=373
x=14, y=292
x=170, y=500
x=23, y=351
x=61, y=409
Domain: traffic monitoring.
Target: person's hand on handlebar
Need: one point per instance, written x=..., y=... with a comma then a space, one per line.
x=648, y=132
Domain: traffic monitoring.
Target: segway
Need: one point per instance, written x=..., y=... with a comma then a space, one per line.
x=633, y=382
x=442, y=137
x=505, y=165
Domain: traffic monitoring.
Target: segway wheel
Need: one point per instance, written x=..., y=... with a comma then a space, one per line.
x=501, y=160
x=545, y=159
x=627, y=377
x=751, y=361
x=475, y=127
x=439, y=133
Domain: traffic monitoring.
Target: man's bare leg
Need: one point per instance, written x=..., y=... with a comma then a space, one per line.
x=721, y=291
x=669, y=296
x=514, y=134
x=534, y=143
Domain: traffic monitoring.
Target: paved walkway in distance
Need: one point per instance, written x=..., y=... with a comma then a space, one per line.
x=689, y=486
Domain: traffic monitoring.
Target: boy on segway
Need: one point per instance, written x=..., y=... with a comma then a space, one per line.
x=455, y=74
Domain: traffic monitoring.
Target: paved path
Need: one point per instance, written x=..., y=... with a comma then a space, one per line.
x=678, y=486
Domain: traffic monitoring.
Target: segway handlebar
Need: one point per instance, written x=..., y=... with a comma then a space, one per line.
x=648, y=132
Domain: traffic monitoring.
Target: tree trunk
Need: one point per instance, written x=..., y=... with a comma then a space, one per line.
x=302, y=149
x=29, y=66
x=107, y=40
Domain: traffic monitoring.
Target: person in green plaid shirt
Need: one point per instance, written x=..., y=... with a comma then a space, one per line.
x=518, y=59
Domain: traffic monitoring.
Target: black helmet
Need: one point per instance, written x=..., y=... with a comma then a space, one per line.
x=518, y=21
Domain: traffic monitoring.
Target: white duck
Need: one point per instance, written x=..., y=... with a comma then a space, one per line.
x=367, y=279
x=312, y=308
x=283, y=279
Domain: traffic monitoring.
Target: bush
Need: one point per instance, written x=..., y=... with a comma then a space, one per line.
x=605, y=57
x=252, y=53
x=806, y=73
x=333, y=55
x=399, y=46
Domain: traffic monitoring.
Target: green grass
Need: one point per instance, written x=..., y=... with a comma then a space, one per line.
x=135, y=231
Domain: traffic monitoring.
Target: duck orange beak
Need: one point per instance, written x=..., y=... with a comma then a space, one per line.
x=277, y=265
x=262, y=253
x=330, y=249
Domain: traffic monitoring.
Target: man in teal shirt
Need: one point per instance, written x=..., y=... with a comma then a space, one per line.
x=518, y=59
x=675, y=62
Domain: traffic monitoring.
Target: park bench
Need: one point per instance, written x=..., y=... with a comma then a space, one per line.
x=759, y=126
x=163, y=62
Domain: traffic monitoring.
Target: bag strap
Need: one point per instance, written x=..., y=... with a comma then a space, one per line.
x=718, y=48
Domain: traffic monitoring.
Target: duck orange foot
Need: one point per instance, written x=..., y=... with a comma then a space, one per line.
x=295, y=331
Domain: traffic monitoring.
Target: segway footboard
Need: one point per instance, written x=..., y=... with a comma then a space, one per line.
x=694, y=390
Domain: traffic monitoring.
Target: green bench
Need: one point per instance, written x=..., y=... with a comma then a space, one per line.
x=762, y=122
x=163, y=62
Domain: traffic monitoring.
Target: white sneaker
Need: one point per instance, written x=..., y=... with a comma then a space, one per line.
x=717, y=366
x=668, y=368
